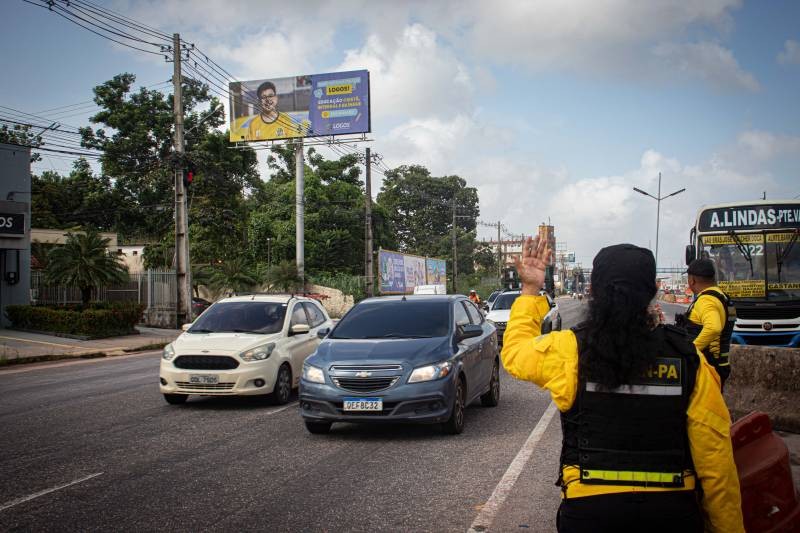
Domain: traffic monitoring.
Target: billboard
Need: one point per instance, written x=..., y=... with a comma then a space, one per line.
x=300, y=106
x=400, y=273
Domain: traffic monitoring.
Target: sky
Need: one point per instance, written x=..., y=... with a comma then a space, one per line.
x=553, y=109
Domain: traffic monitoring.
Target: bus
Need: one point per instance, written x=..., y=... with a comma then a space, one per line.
x=754, y=248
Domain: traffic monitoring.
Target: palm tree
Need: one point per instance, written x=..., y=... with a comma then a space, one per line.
x=283, y=276
x=84, y=262
x=234, y=275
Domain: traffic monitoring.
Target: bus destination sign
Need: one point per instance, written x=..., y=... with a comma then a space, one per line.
x=750, y=217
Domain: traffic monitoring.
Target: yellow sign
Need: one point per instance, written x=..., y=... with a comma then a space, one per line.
x=338, y=89
x=785, y=286
x=753, y=288
x=750, y=238
x=779, y=237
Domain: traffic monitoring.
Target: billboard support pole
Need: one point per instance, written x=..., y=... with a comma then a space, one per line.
x=299, y=211
x=183, y=280
x=368, y=225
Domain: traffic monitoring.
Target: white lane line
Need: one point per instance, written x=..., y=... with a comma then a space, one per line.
x=278, y=410
x=501, y=491
x=30, y=497
x=30, y=367
x=18, y=339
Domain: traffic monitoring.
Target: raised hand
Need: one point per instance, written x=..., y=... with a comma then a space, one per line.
x=536, y=256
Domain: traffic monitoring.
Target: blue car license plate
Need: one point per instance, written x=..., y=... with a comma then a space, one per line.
x=363, y=404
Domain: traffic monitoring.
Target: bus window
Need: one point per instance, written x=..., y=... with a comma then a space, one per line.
x=783, y=266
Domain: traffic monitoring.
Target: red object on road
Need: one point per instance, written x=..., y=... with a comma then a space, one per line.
x=769, y=500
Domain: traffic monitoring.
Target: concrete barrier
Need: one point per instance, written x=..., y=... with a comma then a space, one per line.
x=765, y=378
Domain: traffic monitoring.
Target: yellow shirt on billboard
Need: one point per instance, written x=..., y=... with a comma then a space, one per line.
x=282, y=127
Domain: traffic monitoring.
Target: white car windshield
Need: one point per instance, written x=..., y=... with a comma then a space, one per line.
x=241, y=317
x=504, y=301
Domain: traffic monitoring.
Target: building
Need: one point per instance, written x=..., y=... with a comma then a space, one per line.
x=15, y=227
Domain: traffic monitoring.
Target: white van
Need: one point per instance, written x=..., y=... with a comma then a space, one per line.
x=430, y=289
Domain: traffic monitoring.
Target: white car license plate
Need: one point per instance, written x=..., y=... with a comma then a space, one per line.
x=363, y=404
x=203, y=379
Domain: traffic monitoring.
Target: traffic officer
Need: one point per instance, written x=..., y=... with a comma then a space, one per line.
x=710, y=318
x=646, y=433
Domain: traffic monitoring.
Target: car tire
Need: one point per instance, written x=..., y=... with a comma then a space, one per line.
x=283, y=386
x=176, y=399
x=318, y=428
x=455, y=424
x=492, y=397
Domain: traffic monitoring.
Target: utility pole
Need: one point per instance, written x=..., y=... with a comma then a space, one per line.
x=299, y=210
x=658, y=199
x=499, y=256
x=368, y=226
x=183, y=274
x=455, y=249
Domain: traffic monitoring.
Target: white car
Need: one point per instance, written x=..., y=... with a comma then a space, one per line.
x=244, y=345
x=501, y=310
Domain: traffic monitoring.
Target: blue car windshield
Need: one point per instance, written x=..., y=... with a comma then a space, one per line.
x=504, y=301
x=395, y=319
x=244, y=317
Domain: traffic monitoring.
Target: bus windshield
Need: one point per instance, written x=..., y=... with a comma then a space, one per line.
x=755, y=265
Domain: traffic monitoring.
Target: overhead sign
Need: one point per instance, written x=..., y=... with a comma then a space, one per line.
x=300, y=106
x=12, y=224
x=750, y=217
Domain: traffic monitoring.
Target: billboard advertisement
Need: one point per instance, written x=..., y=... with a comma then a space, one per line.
x=415, y=271
x=300, y=106
x=436, y=271
x=391, y=269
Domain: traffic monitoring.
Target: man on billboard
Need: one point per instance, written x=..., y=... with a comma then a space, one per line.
x=271, y=123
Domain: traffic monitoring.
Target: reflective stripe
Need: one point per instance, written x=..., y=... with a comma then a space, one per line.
x=632, y=476
x=648, y=390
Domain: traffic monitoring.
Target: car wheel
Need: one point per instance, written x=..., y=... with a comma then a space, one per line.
x=492, y=397
x=283, y=386
x=318, y=428
x=455, y=424
x=176, y=399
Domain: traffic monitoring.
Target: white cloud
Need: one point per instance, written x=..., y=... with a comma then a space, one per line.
x=707, y=61
x=766, y=145
x=790, y=55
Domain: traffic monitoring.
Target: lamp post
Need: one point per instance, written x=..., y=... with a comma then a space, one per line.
x=269, y=258
x=658, y=207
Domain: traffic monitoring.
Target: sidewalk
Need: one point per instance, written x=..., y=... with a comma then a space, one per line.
x=19, y=346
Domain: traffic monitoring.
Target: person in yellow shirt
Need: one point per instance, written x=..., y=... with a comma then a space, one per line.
x=710, y=318
x=646, y=434
x=271, y=123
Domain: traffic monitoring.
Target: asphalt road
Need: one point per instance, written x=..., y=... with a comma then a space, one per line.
x=93, y=446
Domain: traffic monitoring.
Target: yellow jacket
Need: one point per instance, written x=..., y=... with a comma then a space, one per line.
x=551, y=361
x=709, y=312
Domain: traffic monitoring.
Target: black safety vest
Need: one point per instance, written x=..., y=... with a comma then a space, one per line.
x=693, y=329
x=634, y=435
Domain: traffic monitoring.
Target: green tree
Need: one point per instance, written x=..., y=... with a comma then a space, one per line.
x=84, y=262
x=20, y=134
x=284, y=277
x=420, y=208
x=234, y=275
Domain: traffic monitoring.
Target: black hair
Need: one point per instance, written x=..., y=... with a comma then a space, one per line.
x=620, y=344
x=264, y=86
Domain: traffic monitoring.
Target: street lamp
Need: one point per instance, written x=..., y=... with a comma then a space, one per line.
x=658, y=208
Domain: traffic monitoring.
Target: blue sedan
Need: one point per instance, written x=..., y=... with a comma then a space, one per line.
x=402, y=359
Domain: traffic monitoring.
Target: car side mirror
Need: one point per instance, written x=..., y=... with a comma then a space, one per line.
x=323, y=332
x=299, y=329
x=691, y=252
x=186, y=327
x=468, y=331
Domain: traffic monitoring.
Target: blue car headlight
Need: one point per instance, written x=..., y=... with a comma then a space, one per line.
x=430, y=372
x=313, y=374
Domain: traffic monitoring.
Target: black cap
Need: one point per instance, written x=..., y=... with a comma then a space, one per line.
x=703, y=268
x=625, y=264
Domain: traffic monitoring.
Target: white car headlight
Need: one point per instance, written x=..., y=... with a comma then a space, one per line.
x=430, y=372
x=490, y=321
x=259, y=353
x=168, y=353
x=313, y=374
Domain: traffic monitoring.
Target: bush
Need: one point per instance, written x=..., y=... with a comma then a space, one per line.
x=348, y=284
x=96, y=320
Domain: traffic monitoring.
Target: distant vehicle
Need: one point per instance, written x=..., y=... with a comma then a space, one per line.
x=501, y=311
x=402, y=359
x=754, y=248
x=199, y=305
x=244, y=345
x=430, y=289
x=487, y=304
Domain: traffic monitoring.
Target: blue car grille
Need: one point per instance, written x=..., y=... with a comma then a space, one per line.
x=372, y=384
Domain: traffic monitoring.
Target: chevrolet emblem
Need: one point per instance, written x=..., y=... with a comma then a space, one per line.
x=363, y=374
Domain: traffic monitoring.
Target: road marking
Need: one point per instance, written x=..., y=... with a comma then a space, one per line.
x=501, y=491
x=40, y=342
x=24, y=499
x=279, y=409
x=30, y=367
